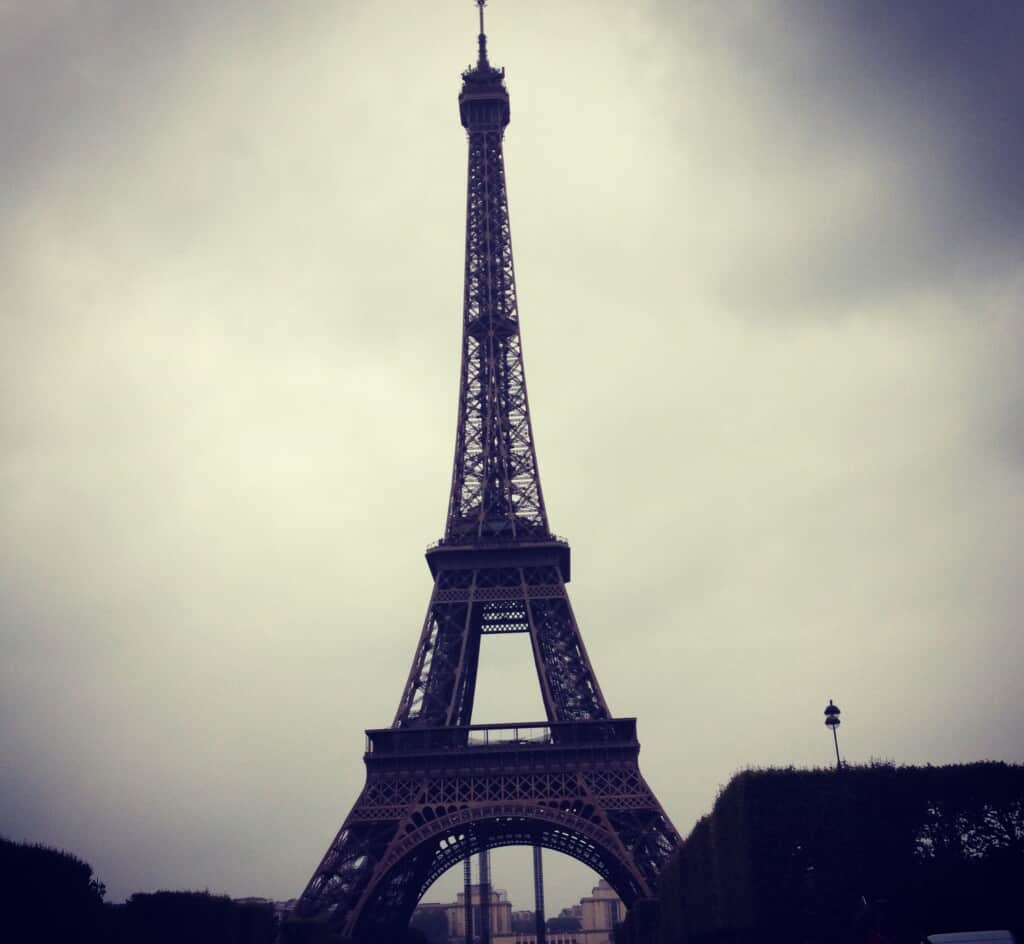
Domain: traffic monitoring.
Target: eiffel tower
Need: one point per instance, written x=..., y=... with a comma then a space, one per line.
x=439, y=788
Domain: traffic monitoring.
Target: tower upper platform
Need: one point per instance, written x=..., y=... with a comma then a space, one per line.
x=483, y=103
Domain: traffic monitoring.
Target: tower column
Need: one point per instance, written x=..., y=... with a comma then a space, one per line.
x=485, y=897
x=538, y=897
x=467, y=894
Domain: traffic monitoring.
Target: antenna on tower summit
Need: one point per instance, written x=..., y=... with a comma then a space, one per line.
x=482, y=38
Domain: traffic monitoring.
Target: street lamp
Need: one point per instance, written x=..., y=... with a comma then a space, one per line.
x=832, y=721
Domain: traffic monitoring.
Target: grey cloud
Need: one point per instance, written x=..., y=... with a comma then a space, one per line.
x=875, y=148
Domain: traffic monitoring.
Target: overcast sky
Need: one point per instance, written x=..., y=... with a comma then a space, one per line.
x=769, y=259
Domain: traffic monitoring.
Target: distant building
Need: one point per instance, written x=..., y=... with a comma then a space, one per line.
x=500, y=911
x=600, y=913
x=597, y=914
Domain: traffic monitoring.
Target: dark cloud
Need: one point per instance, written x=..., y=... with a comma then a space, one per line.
x=963, y=60
x=889, y=135
x=962, y=64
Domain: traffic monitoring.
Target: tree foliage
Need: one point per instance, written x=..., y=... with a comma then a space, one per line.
x=171, y=917
x=51, y=897
x=48, y=896
x=432, y=923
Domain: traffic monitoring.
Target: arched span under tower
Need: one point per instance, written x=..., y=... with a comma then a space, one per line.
x=435, y=795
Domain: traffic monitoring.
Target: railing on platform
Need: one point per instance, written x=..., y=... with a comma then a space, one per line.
x=412, y=740
x=499, y=542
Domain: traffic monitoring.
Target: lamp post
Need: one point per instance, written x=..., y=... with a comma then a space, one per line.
x=832, y=721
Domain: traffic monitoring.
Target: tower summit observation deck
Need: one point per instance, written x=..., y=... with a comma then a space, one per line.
x=439, y=788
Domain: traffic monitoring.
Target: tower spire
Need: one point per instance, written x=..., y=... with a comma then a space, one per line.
x=482, y=62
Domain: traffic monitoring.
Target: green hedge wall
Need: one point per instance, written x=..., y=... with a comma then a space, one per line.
x=790, y=854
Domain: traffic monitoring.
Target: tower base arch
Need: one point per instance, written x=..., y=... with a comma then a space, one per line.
x=434, y=796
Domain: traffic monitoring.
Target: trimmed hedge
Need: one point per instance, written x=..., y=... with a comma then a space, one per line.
x=196, y=917
x=793, y=855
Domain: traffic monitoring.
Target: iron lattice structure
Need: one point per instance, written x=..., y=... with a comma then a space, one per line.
x=439, y=788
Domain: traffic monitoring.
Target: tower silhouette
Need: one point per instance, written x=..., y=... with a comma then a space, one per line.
x=439, y=788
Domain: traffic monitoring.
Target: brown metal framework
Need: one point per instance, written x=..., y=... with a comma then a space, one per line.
x=438, y=788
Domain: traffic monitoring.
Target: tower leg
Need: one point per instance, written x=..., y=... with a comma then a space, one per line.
x=538, y=897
